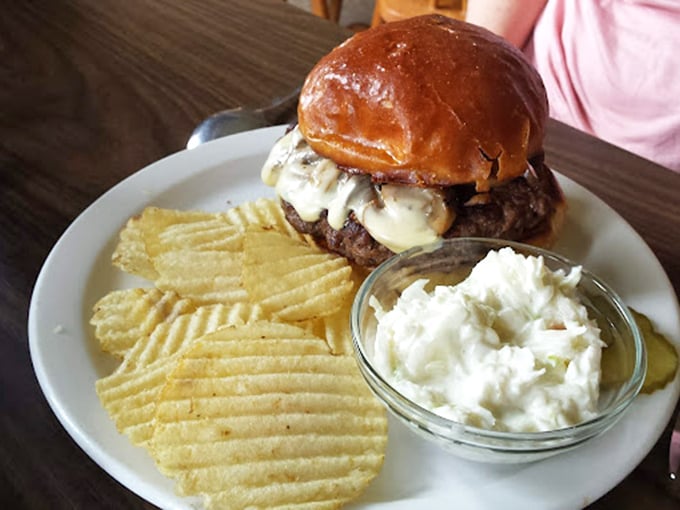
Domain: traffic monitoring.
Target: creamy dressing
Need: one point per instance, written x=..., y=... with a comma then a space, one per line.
x=399, y=217
x=510, y=348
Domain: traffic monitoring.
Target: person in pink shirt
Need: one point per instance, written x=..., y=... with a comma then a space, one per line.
x=610, y=67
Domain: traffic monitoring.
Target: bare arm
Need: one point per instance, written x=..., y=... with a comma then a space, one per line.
x=512, y=19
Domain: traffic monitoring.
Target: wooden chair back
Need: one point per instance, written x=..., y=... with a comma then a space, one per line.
x=394, y=10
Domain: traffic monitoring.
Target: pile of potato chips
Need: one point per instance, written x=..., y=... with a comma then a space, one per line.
x=236, y=370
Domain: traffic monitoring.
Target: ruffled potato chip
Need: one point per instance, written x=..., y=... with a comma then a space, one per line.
x=122, y=317
x=291, y=280
x=263, y=415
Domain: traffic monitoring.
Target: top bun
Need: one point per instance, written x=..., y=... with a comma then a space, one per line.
x=429, y=101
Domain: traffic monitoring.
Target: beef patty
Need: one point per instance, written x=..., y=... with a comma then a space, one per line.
x=516, y=210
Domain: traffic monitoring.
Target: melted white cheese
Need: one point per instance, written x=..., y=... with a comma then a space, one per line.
x=509, y=348
x=399, y=217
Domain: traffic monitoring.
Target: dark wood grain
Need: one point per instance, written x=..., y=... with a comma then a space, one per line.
x=645, y=194
x=92, y=91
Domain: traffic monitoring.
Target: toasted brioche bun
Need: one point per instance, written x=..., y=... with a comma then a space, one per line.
x=428, y=101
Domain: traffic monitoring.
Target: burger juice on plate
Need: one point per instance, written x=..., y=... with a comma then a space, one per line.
x=509, y=348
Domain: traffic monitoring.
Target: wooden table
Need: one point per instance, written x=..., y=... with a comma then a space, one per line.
x=92, y=91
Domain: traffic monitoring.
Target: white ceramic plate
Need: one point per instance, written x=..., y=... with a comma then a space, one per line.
x=224, y=173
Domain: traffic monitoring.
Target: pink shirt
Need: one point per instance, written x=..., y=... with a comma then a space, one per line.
x=612, y=69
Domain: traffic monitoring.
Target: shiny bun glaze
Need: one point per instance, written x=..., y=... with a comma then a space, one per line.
x=428, y=101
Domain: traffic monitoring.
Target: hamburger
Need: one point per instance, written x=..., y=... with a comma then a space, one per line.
x=417, y=130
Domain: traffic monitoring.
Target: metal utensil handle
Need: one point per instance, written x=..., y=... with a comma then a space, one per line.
x=281, y=100
x=281, y=110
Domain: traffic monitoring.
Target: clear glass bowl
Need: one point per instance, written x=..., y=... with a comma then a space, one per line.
x=448, y=262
